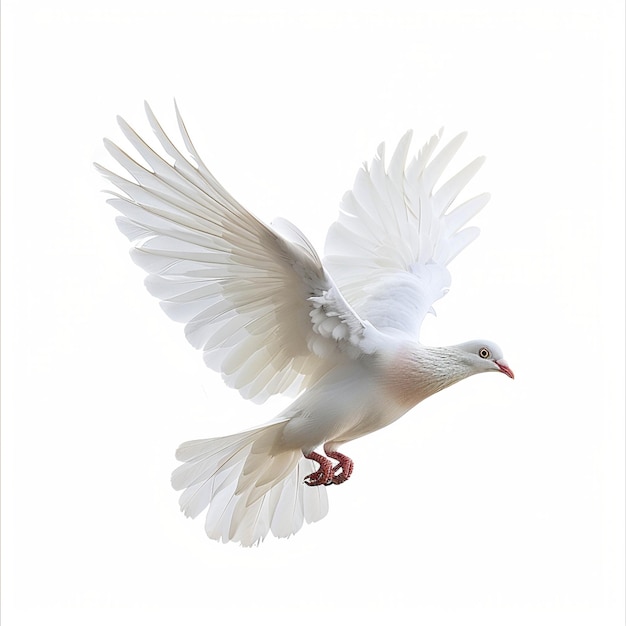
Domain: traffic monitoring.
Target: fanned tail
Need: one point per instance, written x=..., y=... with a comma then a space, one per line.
x=249, y=486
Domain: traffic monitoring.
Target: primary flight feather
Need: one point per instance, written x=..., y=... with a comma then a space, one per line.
x=272, y=317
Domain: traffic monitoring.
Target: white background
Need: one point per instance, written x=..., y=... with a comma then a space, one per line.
x=496, y=502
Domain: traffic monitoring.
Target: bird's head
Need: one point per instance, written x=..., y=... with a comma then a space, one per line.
x=485, y=356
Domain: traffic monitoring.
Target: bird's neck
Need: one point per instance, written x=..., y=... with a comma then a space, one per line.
x=417, y=372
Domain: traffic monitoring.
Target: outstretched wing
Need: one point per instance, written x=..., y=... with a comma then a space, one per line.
x=389, y=249
x=257, y=302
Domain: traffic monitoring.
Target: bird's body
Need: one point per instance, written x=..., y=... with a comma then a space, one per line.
x=350, y=401
x=356, y=399
x=343, y=334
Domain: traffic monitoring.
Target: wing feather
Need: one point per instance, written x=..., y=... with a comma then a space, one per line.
x=255, y=299
x=396, y=234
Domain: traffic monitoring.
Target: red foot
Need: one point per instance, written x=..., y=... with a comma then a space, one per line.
x=327, y=474
x=346, y=465
x=324, y=475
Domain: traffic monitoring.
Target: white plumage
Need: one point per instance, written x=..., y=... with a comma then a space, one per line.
x=271, y=317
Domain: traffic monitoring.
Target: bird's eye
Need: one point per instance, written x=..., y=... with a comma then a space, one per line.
x=483, y=353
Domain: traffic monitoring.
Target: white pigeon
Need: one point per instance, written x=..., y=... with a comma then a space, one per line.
x=271, y=317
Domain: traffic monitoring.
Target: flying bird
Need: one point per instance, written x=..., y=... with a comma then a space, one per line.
x=340, y=333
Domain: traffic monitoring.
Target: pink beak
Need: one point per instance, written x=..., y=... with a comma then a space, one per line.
x=504, y=367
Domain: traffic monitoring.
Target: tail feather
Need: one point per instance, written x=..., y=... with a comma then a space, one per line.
x=249, y=486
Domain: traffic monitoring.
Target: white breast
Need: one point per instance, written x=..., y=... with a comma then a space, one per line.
x=352, y=400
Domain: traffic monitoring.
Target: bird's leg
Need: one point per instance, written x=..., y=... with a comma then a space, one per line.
x=346, y=465
x=324, y=475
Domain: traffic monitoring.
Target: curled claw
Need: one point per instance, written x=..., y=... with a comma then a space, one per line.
x=324, y=475
x=343, y=470
x=327, y=474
